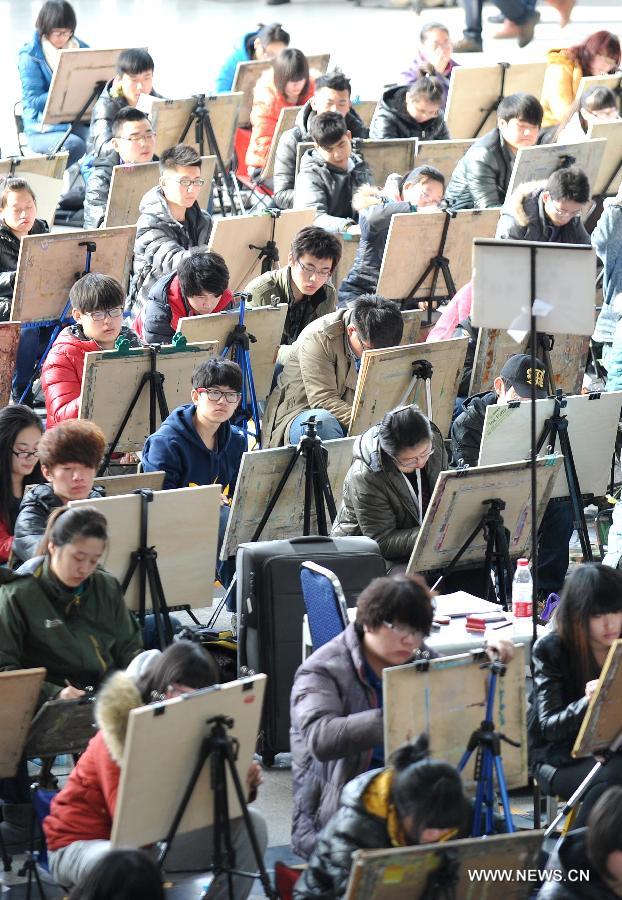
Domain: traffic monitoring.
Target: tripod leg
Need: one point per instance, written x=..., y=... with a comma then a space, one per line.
x=204, y=754
x=277, y=493
x=490, y=544
x=309, y=487
x=157, y=591
x=575, y=495
x=504, y=566
x=505, y=799
x=476, y=828
x=324, y=482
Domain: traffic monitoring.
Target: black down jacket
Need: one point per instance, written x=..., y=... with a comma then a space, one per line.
x=481, y=178
x=330, y=189
x=571, y=857
x=468, y=428
x=392, y=120
x=9, y=253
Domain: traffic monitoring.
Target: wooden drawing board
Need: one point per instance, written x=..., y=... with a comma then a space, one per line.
x=169, y=118
x=154, y=755
x=258, y=478
x=19, y=695
x=9, y=339
x=231, y=237
x=414, y=239
x=248, y=73
x=44, y=174
x=602, y=722
x=386, y=375
x=610, y=172
x=264, y=322
x=443, y=155
x=457, y=505
x=477, y=88
x=382, y=157
x=109, y=381
x=495, y=346
x=61, y=726
x=38, y=297
x=612, y=82
x=366, y=110
x=130, y=183
x=75, y=76
x=412, y=325
x=539, y=162
x=447, y=701
x=404, y=872
x=114, y=485
x=592, y=427
x=285, y=121
x=183, y=527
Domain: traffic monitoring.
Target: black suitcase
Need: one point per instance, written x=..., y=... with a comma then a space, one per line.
x=270, y=611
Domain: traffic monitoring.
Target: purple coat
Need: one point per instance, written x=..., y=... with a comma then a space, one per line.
x=413, y=72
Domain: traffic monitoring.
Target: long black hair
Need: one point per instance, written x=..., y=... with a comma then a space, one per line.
x=14, y=419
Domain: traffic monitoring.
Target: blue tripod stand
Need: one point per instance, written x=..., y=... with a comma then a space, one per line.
x=237, y=348
x=486, y=742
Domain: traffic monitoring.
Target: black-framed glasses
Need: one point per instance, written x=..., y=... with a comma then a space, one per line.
x=188, y=183
x=215, y=396
x=140, y=138
x=100, y=314
x=25, y=454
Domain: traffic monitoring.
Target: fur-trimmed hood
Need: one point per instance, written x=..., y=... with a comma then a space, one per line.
x=516, y=204
x=117, y=698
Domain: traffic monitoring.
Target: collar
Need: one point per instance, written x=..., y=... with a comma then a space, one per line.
x=377, y=801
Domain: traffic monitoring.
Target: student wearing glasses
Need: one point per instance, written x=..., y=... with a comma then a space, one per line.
x=97, y=308
x=547, y=211
x=198, y=445
x=170, y=224
x=20, y=433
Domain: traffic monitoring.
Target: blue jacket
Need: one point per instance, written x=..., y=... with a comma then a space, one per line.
x=36, y=77
x=224, y=79
x=177, y=449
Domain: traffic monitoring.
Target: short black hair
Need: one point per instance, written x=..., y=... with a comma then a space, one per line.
x=432, y=26
x=569, y=184
x=134, y=61
x=55, y=14
x=403, y=427
x=272, y=34
x=335, y=81
x=419, y=173
x=604, y=829
x=179, y=155
x=203, y=271
x=127, y=114
x=10, y=183
x=379, y=322
x=428, y=88
x=401, y=599
x=316, y=242
x=328, y=128
x=96, y=291
x=218, y=371
x=521, y=106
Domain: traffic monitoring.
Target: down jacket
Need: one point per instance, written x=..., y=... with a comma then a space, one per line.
x=98, y=188
x=61, y=375
x=9, y=253
x=329, y=189
x=285, y=159
x=376, y=500
x=481, y=178
x=267, y=105
x=392, y=120
x=36, y=77
x=562, y=77
x=523, y=219
x=108, y=104
x=467, y=428
x=161, y=244
x=242, y=51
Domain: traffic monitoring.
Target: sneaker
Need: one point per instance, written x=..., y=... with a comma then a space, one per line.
x=468, y=45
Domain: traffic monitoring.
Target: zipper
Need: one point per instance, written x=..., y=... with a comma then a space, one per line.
x=98, y=653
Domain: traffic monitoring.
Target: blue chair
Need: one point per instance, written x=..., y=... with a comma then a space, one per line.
x=327, y=610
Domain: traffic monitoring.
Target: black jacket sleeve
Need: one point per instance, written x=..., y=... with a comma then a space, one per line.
x=466, y=435
x=29, y=528
x=558, y=719
x=157, y=328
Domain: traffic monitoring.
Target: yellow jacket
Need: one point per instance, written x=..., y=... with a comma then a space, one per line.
x=561, y=83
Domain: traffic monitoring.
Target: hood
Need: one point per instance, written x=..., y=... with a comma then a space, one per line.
x=181, y=422
x=481, y=401
x=394, y=98
x=367, y=450
x=371, y=793
x=116, y=699
x=559, y=57
x=516, y=205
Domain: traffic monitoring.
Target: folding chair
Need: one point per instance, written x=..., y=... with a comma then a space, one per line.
x=327, y=610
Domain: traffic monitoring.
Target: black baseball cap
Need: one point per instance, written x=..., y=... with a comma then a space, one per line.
x=518, y=371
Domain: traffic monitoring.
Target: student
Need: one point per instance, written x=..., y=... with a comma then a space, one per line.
x=121, y=875
x=547, y=211
x=330, y=173
x=134, y=79
x=481, y=178
x=566, y=664
x=319, y=376
x=599, y=54
x=418, y=190
x=595, y=852
x=433, y=58
x=593, y=107
x=606, y=240
x=97, y=307
x=18, y=217
x=70, y=456
x=79, y=826
x=132, y=142
x=303, y=284
x=54, y=31
x=197, y=445
x=266, y=42
x=414, y=800
x=20, y=433
x=410, y=112
x=332, y=94
x=287, y=83
x=336, y=701
x=514, y=383
x=199, y=287
x=387, y=489
x=170, y=224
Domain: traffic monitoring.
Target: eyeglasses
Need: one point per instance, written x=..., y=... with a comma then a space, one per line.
x=190, y=182
x=402, y=631
x=140, y=138
x=60, y=32
x=312, y=271
x=100, y=315
x=25, y=454
x=563, y=213
x=414, y=460
x=215, y=396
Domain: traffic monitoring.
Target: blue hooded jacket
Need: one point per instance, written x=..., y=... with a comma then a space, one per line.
x=36, y=77
x=177, y=449
x=224, y=79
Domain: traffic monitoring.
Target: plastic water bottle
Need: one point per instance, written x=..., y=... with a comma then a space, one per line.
x=522, y=590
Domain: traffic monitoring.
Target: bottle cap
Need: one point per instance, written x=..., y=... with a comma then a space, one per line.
x=522, y=562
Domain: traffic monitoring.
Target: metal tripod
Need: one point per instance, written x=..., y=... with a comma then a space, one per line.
x=438, y=264
x=237, y=347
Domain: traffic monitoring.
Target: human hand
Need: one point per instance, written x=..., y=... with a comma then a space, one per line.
x=70, y=693
x=439, y=58
x=501, y=648
x=224, y=500
x=590, y=688
x=254, y=776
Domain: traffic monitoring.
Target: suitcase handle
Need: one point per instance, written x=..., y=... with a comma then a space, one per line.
x=312, y=539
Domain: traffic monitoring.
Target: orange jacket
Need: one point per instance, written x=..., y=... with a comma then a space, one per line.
x=267, y=104
x=561, y=83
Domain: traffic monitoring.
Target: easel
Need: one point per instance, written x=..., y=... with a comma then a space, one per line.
x=492, y=107
x=204, y=133
x=269, y=254
x=77, y=119
x=438, y=263
x=608, y=181
x=422, y=374
x=237, y=345
x=221, y=750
